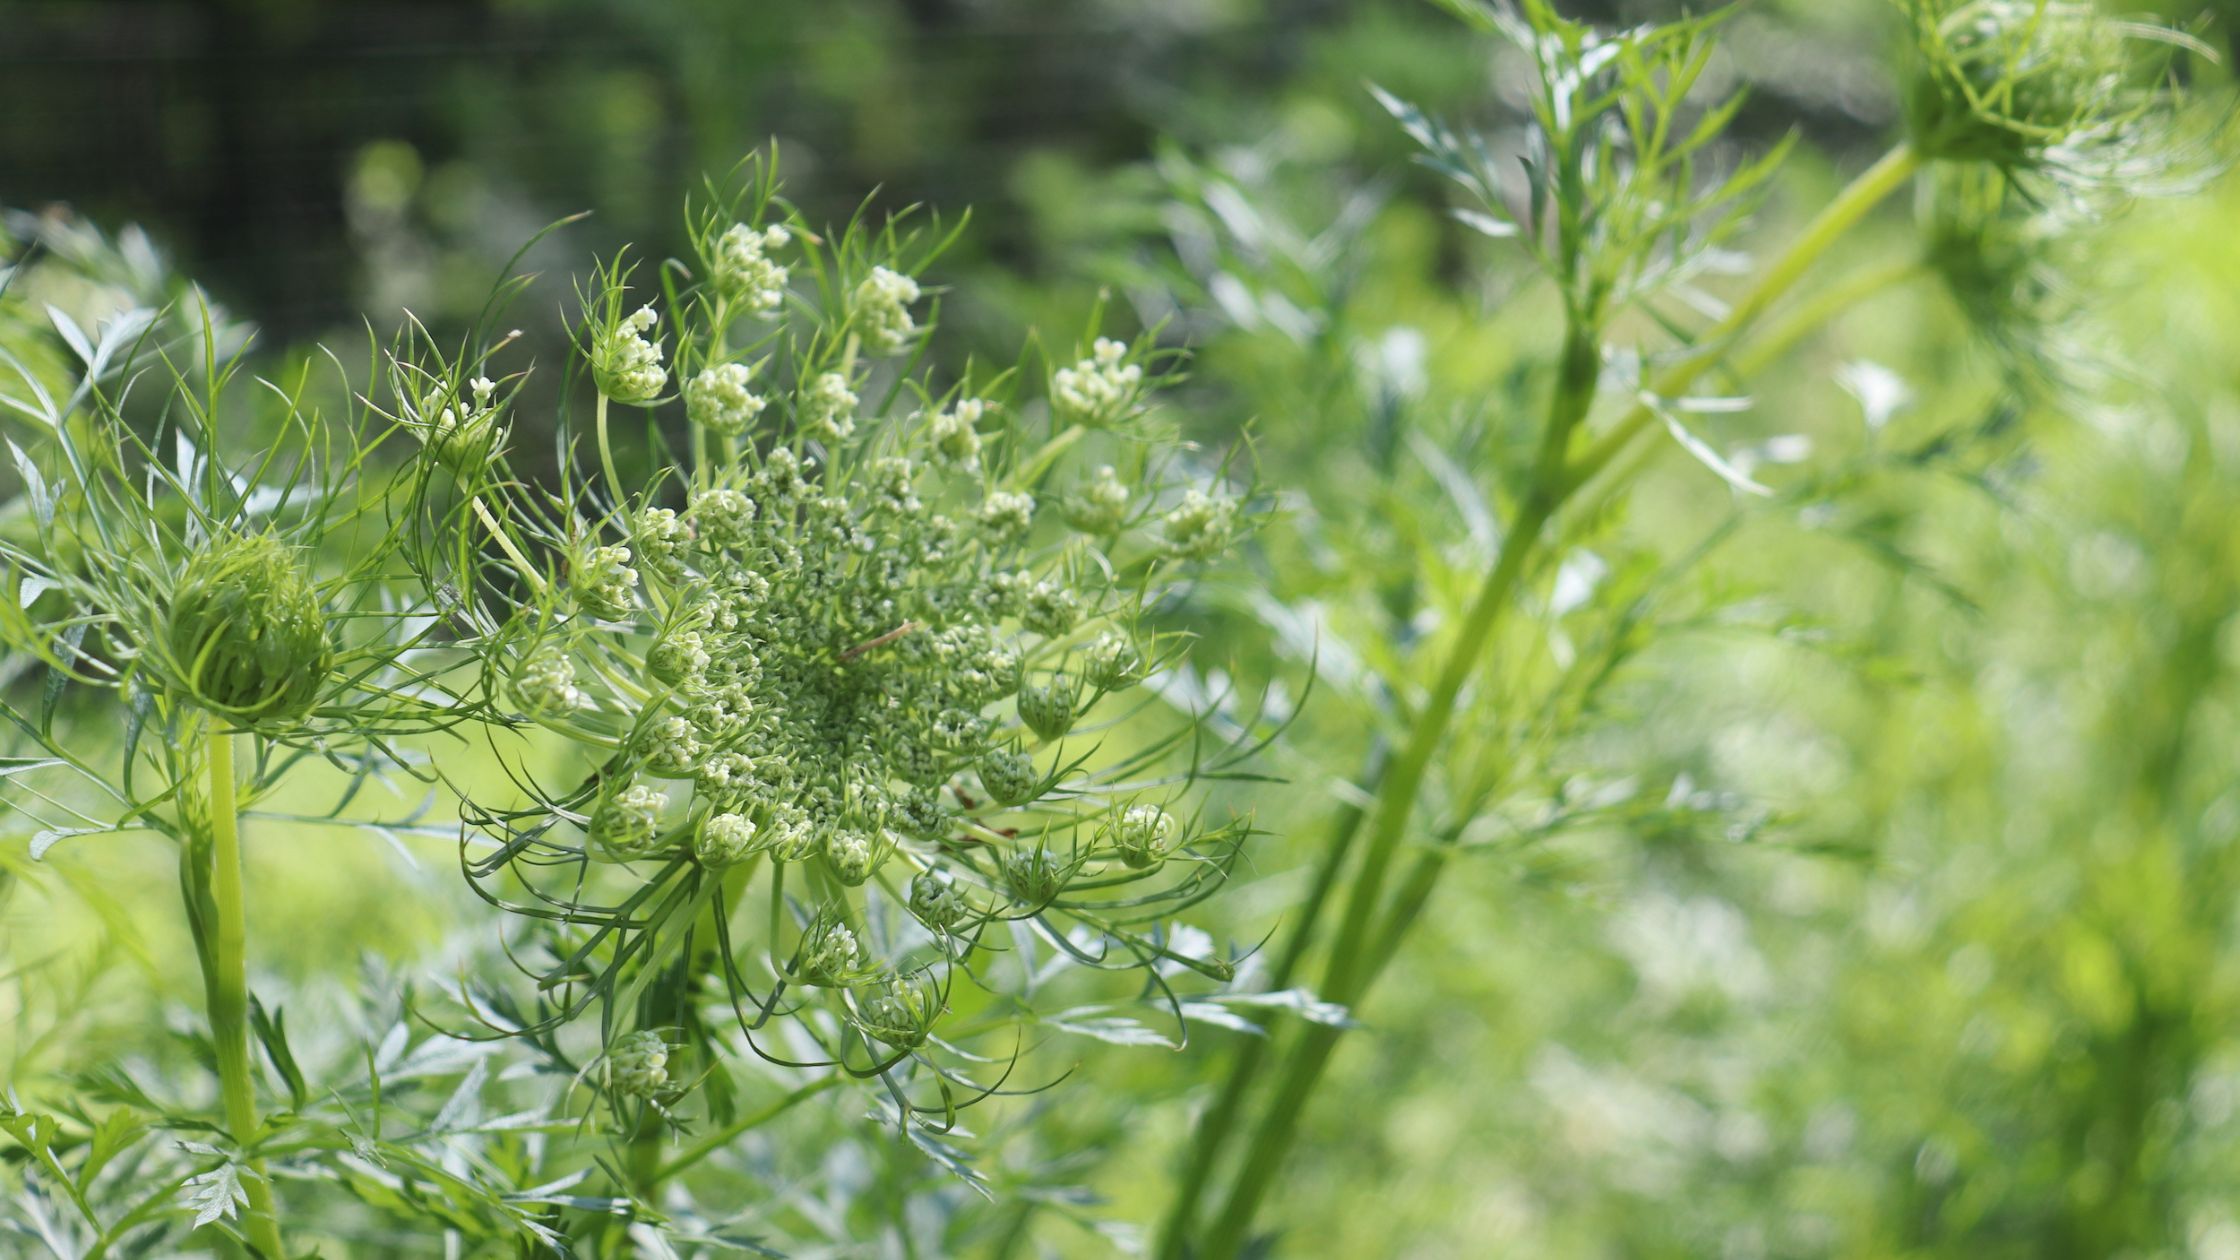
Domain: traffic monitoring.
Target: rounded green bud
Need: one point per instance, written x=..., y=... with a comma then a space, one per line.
x=679, y=658
x=1010, y=777
x=625, y=364
x=935, y=901
x=719, y=401
x=898, y=1013
x=725, y=519
x=605, y=584
x=829, y=954
x=461, y=432
x=1113, y=663
x=919, y=812
x=1048, y=710
x=954, y=435
x=1143, y=835
x=1005, y=516
x=1100, y=505
x=723, y=840
x=2019, y=85
x=664, y=542
x=544, y=684
x=850, y=855
x=671, y=747
x=1199, y=527
x=638, y=1065
x=245, y=635
x=1034, y=877
x=1049, y=609
x=626, y=825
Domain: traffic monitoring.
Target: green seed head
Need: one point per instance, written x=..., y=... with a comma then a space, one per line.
x=245, y=635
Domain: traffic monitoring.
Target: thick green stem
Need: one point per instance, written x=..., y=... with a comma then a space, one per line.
x=226, y=981
x=1219, y=1122
x=1364, y=945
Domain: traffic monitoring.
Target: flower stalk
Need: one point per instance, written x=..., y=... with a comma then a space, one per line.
x=1372, y=929
x=226, y=981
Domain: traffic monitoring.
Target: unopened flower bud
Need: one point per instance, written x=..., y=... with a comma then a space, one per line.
x=638, y=1065
x=1100, y=505
x=718, y=400
x=245, y=635
x=625, y=825
x=724, y=840
x=1143, y=835
x=1048, y=710
x=882, y=310
x=625, y=365
x=1113, y=662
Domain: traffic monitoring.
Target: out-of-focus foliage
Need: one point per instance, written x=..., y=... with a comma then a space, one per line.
x=1893, y=910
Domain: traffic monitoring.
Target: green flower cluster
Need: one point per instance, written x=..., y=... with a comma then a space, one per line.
x=860, y=654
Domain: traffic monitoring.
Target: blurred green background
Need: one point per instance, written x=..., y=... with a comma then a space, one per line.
x=1933, y=956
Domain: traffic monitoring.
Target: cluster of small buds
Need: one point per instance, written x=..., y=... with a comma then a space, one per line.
x=849, y=854
x=1142, y=835
x=638, y=1065
x=718, y=400
x=723, y=517
x=1048, y=709
x=461, y=432
x=743, y=269
x=829, y=955
x=605, y=584
x=1049, y=609
x=664, y=542
x=1113, y=662
x=626, y=825
x=1100, y=505
x=724, y=839
x=679, y=658
x=625, y=363
x=1200, y=527
x=882, y=310
x=935, y=901
x=954, y=434
x=1099, y=390
x=897, y=1012
x=1006, y=516
x=843, y=645
x=828, y=407
x=1009, y=776
x=544, y=685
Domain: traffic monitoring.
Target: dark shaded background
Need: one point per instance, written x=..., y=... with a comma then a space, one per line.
x=312, y=161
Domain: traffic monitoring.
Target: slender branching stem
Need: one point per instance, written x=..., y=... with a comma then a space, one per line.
x=718, y=1139
x=1863, y=194
x=1371, y=931
x=505, y=543
x=227, y=984
x=606, y=458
